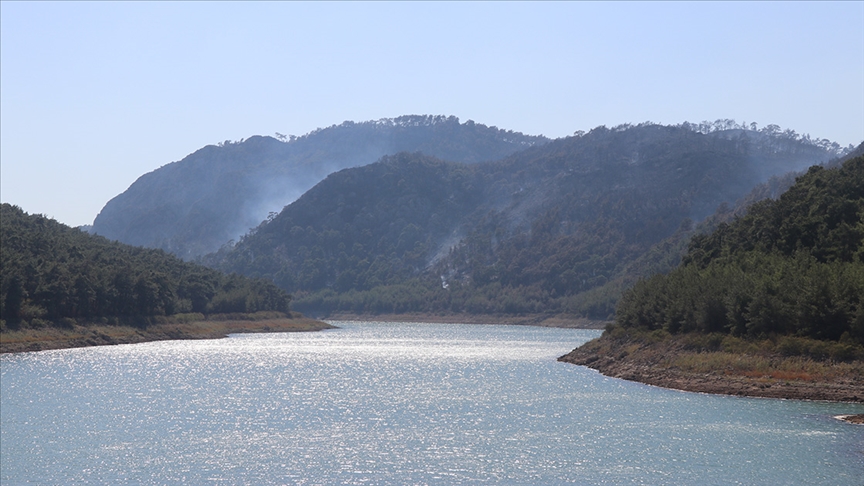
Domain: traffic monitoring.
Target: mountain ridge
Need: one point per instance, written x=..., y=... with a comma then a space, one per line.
x=195, y=205
x=553, y=222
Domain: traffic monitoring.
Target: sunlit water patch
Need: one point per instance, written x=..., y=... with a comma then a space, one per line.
x=374, y=403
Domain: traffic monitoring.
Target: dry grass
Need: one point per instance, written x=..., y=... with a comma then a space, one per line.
x=726, y=365
x=54, y=334
x=794, y=368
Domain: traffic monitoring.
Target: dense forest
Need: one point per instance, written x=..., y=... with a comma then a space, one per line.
x=561, y=227
x=218, y=193
x=57, y=275
x=789, y=267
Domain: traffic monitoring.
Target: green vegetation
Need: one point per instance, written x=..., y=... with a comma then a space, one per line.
x=791, y=271
x=560, y=228
x=57, y=276
x=194, y=206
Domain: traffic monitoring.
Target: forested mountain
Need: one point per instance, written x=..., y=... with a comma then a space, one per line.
x=54, y=274
x=792, y=266
x=361, y=228
x=218, y=193
x=666, y=255
x=548, y=229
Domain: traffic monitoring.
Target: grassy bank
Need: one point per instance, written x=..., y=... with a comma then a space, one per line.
x=791, y=368
x=190, y=326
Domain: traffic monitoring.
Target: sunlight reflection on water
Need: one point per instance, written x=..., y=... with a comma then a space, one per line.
x=375, y=403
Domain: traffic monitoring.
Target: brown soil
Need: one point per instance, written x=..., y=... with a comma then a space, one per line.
x=100, y=335
x=853, y=419
x=656, y=364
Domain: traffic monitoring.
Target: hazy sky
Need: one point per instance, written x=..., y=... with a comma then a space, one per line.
x=96, y=94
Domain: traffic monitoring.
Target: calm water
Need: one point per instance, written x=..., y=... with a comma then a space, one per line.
x=399, y=404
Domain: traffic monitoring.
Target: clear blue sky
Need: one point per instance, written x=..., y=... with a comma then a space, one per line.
x=96, y=94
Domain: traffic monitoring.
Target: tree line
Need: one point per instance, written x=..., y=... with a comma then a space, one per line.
x=53, y=274
x=557, y=228
x=790, y=267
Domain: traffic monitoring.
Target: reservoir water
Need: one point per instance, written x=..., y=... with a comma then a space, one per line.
x=385, y=403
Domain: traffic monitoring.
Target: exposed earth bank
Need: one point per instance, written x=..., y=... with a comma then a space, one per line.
x=853, y=419
x=15, y=341
x=670, y=364
x=99, y=335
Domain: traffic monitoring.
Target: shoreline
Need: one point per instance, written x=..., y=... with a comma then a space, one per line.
x=626, y=362
x=539, y=320
x=82, y=336
x=661, y=365
x=86, y=335
x=852, y=419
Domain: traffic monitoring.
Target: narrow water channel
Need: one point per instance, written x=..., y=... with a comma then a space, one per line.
x=394, y=403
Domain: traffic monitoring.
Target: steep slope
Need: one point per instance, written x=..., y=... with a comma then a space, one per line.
x=664, y=256
x=794, y=266
x=218, y=193
x=770, y=304
x=53, y=275
x=361, y=227
x=539, y=231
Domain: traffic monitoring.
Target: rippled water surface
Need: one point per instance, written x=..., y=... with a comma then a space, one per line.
x=375, y=403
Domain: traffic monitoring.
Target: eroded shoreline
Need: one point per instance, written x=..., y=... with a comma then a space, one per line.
x=102, y=335
x=852, y=419
x=659, y=365
x=640, y=365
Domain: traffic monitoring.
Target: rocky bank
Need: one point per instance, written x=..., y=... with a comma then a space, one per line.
x=656, y=364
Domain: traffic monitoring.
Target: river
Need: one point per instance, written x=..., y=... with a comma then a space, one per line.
x=394, y=403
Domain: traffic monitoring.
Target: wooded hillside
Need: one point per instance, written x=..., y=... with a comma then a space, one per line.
x=220, y=192
x=57, y=275
x=792, y=266
x=557, y=228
